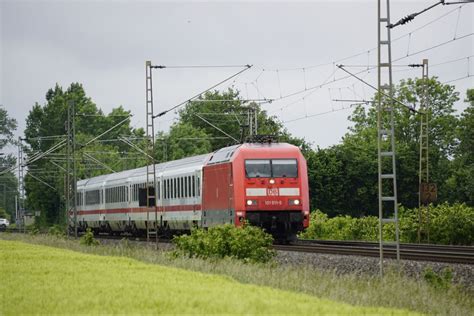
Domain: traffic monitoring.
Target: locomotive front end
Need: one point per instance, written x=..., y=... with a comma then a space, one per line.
x=275, y=190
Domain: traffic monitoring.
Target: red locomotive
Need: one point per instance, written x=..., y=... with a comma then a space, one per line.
x=263, y=183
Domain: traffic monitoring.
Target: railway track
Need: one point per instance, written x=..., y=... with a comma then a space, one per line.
x=421, y=252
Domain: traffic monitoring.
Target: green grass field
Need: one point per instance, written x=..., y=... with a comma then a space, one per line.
x=45, y=280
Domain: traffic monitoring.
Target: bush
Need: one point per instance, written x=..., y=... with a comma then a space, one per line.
x=57, y=231
x=448, y=224
x=88, y=238
x=341, y=227
x=442, y=280
x=34, y=231
x=452, y=224
x=249, y=244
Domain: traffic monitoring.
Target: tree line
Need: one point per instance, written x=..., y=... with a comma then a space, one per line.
x=342, y=177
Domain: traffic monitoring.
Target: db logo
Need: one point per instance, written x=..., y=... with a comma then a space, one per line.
x=272, y=192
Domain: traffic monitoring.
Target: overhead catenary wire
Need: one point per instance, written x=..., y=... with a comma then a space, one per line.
x=199, y=66
x=435, y=46
x=318, y=114
x=307, y=67
x=199, y=94
x=409, y=34
x=383, y=93
x=370, y=68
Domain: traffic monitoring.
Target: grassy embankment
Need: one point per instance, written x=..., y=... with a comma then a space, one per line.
x=41, y=279
x=393, y=291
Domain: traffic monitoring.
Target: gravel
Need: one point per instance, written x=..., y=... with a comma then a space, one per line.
x=463, y=274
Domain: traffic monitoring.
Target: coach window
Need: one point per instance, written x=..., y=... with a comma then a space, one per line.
x=181, y=189
x=171, y=188
x=198, y=186
x=190, y=186
x=176, y=187
x=186, y=187
x=188, y=178
x=194, y=186
x=168, y=194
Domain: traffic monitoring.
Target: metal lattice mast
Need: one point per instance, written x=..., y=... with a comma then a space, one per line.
x=150, y=167
x=71, y=181
x=387, y=175
x=252, y=121
x=21, y=185
x=424, y=169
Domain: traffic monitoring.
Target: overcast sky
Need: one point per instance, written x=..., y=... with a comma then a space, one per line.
x=104, y=46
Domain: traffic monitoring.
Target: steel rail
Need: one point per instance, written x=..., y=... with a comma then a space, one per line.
x=435, y=253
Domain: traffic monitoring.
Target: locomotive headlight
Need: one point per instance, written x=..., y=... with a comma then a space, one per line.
x=251, y=202
x=294, y=202
x=272, y=181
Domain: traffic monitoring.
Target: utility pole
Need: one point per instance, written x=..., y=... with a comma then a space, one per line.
x=387, y=175
x=427, y=191
x=152, y=190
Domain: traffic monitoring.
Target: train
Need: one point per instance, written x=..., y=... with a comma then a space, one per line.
x=264, y=184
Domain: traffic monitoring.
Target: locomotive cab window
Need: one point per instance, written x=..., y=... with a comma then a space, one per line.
x=284, y=168
x=258, y=168
x=275, y=168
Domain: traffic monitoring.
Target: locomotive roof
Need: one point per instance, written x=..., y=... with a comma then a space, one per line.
x=219, y=156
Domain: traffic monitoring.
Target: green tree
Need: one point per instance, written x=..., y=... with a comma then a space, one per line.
x=184, y=140
x=350, y=168
x=461, y=182
x=45, y=127
x=8, y=181
x=226, y=111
